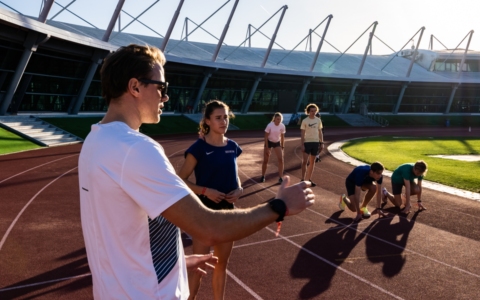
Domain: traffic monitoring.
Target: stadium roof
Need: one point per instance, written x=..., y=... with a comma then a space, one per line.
x=249, y=59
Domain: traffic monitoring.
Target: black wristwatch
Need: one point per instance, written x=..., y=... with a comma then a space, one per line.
x=279, y=207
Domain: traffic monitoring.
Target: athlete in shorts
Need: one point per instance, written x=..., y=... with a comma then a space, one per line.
x=311, y=139
x=274, y=138
x=405, y=175
x=213, y=157
x=363, y=178
x=317, y=159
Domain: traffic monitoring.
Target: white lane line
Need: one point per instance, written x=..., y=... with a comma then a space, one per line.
x=255, y=295
x=399, y=247
x=37, y=167
x=44, y=282
x=323, y=259
x=26, y=205
x=336, y=266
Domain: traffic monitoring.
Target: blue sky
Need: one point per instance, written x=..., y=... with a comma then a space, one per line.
x=449, y=21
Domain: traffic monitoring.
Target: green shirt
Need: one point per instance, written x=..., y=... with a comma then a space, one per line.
x=405, y=171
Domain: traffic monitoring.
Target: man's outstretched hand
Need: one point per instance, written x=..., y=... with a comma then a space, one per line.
x=296, y=197
x=200, y=263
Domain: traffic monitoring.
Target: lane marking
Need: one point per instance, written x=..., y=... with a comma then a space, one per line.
x=25, y=207
x=397, y=246
x=323, y=259
x=255, y=295
x=337, y=266
x=375, y=256
x=37, y=167
x=44, y=282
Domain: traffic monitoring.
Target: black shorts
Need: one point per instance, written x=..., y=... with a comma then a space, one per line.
x=312, y=148
x=273, y=145
x=397, y=188
x=215, y=206
x=350, y=187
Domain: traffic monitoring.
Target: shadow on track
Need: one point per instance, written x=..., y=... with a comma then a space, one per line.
x=336, y=244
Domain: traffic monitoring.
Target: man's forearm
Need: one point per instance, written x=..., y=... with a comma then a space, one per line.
x=212, y=227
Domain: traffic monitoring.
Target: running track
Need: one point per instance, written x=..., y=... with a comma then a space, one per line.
x=320, y=253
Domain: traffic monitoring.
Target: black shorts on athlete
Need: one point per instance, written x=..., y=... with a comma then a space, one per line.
x=273, y=145
x=312, y=148
x=215, y=206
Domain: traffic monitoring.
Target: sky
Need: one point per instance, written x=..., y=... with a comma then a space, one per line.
x=449, y=21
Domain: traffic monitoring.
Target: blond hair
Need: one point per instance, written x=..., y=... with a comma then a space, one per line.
x=277, y=114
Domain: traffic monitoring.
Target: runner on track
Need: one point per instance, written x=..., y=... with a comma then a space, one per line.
x=363, y=178
x=132, y=203
x=405, y=175
x=274, y=138
x=213, y=157
x=317, y=159
x=311, y=139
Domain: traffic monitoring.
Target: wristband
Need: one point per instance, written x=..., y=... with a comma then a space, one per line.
x=418, y=201
x=204, y=189
x=280, y=208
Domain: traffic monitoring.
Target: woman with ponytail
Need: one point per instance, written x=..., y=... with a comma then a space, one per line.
x=213, y=157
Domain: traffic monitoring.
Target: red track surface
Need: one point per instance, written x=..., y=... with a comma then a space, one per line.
x=321, y=254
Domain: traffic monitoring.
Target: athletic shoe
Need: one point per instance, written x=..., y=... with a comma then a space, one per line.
x=313, y=183
x=384, y=191
x=365, y=212
x=384, y=195
x=317, y=159
x=342, y=204
x=262, y=179
x=280, y=180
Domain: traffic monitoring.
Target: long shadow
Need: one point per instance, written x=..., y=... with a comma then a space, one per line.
x=75, y=268
x=336, y=244
x=392, y=258
x=333, y=245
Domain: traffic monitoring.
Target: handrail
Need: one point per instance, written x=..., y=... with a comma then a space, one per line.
x=376, y=118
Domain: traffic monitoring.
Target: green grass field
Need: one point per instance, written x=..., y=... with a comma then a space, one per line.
x=393, y=152
x=10, y=142
x=426, y=121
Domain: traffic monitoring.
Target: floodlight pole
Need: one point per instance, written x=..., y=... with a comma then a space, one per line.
x=273, y=38
x=321, y=43
x=224, y=33
x=465, y=54
x=170, y=28
x=415, y=52
x=368, y=47
x=113, y=20
x=46, y=10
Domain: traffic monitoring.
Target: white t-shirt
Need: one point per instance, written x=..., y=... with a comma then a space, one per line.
x=126, y=182
x=275, y=131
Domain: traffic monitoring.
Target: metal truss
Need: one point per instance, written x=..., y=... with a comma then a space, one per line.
x=421, y=29
x=198, y=26
x=430, y=44
x=186, y=31
x=136, y=19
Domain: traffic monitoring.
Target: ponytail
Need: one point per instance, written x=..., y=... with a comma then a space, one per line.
x=209, y=108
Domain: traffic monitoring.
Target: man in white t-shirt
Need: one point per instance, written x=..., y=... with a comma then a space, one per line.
x=311, y=137
x=132, y=202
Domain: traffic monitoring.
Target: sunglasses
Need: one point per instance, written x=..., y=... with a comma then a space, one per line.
x=164, y=85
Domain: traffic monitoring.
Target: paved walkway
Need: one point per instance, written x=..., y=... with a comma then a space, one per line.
x=337, y=152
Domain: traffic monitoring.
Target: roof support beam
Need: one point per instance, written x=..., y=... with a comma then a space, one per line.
x=22, y=88
x=78, y=101
x=415, y=52
x=207, y=74
x=224, y=33
x=306, y=82
x=113, y=20
x=452, y=95
x=350, y=98
x=465, y=54
x=314, y=62
x=267, y=54
x=45, y=11
x=369, y=45
x=247, y=104
x=400, y=97
x=30, y=45
x=172, y=25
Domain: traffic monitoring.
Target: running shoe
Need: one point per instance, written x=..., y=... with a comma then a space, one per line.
x=342, y=204
x=384, y=195
x=317, y=159
x=280, y=180
x=384, y=191
x=313, y=183
x=262, y=179
x=365, y=212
